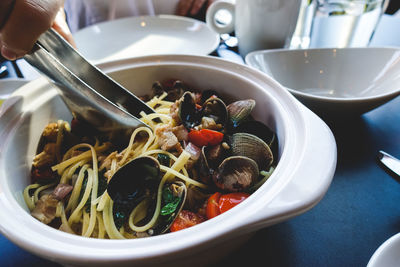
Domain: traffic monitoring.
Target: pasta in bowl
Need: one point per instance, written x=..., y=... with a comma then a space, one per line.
x=305, y=157
x=199, y=157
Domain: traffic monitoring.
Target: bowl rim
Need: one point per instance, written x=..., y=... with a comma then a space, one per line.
x=377, y=257
x=15, y=82
x=64, y=246
x=249, y=59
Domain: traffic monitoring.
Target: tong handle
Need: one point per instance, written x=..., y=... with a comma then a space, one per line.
x=56, y=45
x=78, y=87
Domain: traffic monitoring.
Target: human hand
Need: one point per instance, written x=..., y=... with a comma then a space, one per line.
x=191, y=7
x=22, y=22
x=61, y=26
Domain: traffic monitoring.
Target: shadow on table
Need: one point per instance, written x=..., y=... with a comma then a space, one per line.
x=360, y=138
x=264, y=249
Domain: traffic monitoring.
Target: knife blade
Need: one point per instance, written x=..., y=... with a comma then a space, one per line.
x=390, y=162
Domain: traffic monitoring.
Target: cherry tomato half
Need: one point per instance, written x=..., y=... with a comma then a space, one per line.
x=186, y=219
x=212, y=209
x=228, y=201
x=205, y=137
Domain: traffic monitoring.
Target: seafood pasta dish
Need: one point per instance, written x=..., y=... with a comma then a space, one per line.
x=198, y=158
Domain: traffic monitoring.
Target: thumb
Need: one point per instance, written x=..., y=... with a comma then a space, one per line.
x=26, y=22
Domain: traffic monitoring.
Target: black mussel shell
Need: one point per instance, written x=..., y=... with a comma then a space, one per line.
x=203, y=168
x=134, y=181
x=157, y=88
x=207, y=94
x=215, y=108
x=176, y=91
x=175, y=204
x=188, y=113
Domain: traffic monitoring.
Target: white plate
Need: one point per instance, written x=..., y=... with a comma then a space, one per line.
x=387, y=255
x=145, y=35
x=8, y=86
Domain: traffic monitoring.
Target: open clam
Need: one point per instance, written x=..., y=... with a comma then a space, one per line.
x=260, y=130
x=251, y=146
x=236, y=173
x=237, y=168
x=240, y=110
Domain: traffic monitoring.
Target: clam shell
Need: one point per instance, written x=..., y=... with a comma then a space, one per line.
x=236, y=173
x=260, y=130
x=253, y=147
x=238, y=111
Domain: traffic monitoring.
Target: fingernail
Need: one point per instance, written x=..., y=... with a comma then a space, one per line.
x=8, y=54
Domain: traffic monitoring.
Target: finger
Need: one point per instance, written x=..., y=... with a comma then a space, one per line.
x=61, y=26
x=5, y=10
x=197, y=5
x=210, y=2
x=184, y=7
x=27, y=21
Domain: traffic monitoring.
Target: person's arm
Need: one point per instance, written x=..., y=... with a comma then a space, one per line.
x=23, y=21
x=191, y=7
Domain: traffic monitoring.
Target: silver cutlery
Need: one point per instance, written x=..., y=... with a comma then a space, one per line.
x=3, y=71
x=91, y=95
x=389, y=161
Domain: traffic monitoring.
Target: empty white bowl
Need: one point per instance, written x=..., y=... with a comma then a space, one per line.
x=345, y=81
x=307, y=160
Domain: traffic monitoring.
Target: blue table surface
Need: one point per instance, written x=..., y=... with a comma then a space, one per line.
x=358, y=213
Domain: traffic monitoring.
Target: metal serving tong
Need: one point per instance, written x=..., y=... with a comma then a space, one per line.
x=91, y=95
x=389, y=162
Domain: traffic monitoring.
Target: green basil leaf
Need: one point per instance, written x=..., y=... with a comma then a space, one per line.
x=167, y=195
x=170, y=208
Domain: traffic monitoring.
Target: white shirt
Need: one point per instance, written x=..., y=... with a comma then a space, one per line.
x=82, y=13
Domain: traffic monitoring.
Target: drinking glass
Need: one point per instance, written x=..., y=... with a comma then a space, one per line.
x=337, y=23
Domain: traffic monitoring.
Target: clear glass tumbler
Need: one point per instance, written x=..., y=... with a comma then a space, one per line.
x=337, y=23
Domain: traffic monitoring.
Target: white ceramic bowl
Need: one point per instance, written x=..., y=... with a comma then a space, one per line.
x=9, y=85
x=387, y=255
x=346, y=81
x=307, y=161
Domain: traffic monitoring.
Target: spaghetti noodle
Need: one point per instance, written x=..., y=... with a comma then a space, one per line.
x=98, y=221
x=72, y=178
